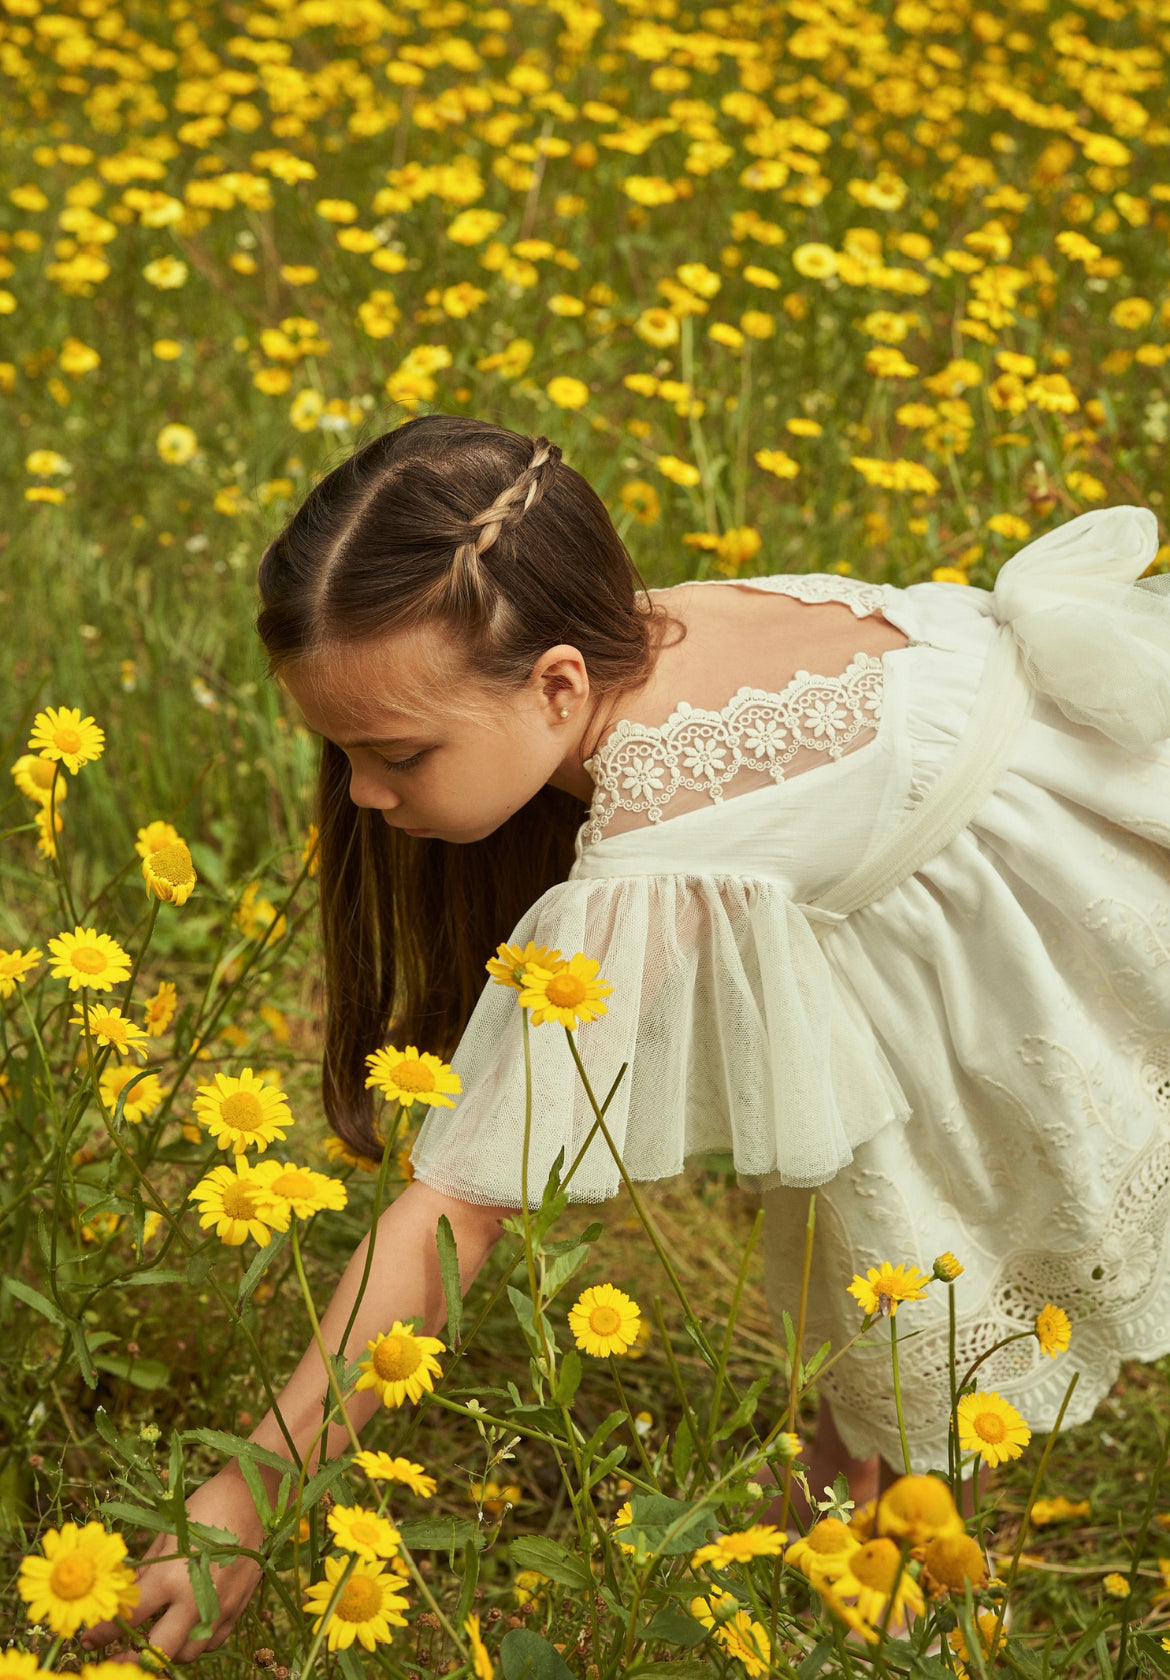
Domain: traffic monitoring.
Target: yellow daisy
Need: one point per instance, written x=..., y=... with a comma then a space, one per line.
x=169, y=873
x=946, y=1268
x=19, y=1665
x=381, y=1467
x=917, y=1508
x=873, y=1570
x=401, y=1365
x=568, y=994
x=882, y=1287
x=761, y=1540
x=110, y=1026
x=142, y=1100
x=60, y=732
x=991, y=1427
x=481, y=1662
x=507, y=966
x=365, y=1532
x=822, y=1555
x=15, y=966
x=160, y=1009
x=604, y=1320
x=48, y=831
x=34, y=776
x=951, y=1560
x=86, y=957
x=407, y=1077
x=369, y=1605
x=338, y=1150
x=154, y=837
x=237, y=1205
x=1053, y=1329
x=301, y=1190
x=741, y=1638
x=243, y=1112
x=80, y=1580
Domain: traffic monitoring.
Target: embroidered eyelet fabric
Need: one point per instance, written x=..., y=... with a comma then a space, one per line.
x=977, y=1061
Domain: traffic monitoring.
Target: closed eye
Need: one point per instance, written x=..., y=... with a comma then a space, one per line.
x=406, y=763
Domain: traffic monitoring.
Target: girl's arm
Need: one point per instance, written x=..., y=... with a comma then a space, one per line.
x=404, y=1283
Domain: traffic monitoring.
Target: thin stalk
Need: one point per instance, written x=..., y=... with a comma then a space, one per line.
x=794, y=1385
x=725, y=1350
x=898, y=1389
x=318, y=1337
x=379, y=1189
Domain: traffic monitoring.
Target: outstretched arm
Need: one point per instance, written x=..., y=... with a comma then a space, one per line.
x=404, y=1283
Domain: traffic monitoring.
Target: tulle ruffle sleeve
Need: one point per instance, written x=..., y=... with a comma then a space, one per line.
x=735, y=1035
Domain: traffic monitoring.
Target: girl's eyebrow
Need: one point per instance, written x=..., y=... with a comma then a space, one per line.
x=385, y=741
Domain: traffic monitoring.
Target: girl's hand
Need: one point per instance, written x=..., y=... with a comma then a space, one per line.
x=165, y=1588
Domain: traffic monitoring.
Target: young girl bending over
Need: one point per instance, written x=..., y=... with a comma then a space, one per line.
x=873, y=872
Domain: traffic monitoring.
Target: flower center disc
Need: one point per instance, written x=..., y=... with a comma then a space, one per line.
x=173, y=864
x=42, y=772
x=989, y=1426
x=73, y=1576
x=396, y=1357
x=89, y=959
x=239, y=1202
x=66, y=740
x=875, y=1565
x=410, y=1075
x=292, y=1185
x=603, y=1321
x=361, y=1600
x=829, y=1537
x=242, y=1110
x=364, y=1531
x=566, y=990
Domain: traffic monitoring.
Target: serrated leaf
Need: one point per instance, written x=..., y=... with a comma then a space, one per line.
x=682, y=1451
x=34, y=1299
x=434, y=1534
x=206, y=1597
x=548, y=1557
x=449, y=1273
x=652, y=1518
x=563, y=1267
x=568, y=1378
x=139, y=1373
x=816, y=1660
x=257, y=1269
x=674, y=1627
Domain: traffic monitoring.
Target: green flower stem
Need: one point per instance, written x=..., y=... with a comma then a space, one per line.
x=1016, y=1336
x=679, y=1385
x=898, y=1389
x=379, y=1191
x=794, y=1385
x=318, y=1337
x=626, y=1407
x=67, y=903
x=334, y=1598
x=151, y=919
x=732, y=1315
x=953, y=1421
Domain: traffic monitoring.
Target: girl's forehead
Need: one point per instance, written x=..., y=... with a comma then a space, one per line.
x=410, y=679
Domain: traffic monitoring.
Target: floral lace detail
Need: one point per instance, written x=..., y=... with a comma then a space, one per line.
x=642, y=767
x=860, y=597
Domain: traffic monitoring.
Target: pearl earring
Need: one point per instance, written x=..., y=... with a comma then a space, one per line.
x=564, y=711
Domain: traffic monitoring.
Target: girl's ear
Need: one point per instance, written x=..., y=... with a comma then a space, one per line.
x=561, y=671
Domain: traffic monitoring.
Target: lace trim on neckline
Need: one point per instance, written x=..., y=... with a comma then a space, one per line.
x=640, y=767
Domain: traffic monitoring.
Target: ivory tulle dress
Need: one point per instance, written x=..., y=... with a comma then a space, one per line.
x=902, y=934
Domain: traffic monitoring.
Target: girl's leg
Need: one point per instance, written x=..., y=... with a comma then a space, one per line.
x=827, y=1458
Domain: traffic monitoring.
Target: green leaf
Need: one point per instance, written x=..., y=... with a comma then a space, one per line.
x=470, y=1581
x=350, y=1663
x=200, y=1264
x=682, y=1451
x=526, y=1317
x=449, y=1273
x=563, y=1267
x=140, y=1373
x=234, y=1446
x=524, y=1655
x=689, y=1668
x=206, y=1597
x=257, y=1269
x=674, y=1627
x=156, y=1275
x=816, y=1660
x=746, y=1410
x=654, y=1515
x=138, y=1516
x=435, y=1534
x=602, y=1467
x=569, y=1378
x=33, y=1298
x=84, y=1357
x=537, y=1551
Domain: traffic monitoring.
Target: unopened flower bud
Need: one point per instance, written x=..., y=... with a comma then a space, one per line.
x=946, y=1268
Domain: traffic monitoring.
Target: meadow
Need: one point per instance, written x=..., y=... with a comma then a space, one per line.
x=814, y=286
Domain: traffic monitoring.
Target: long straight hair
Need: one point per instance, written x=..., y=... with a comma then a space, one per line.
x=458, y=521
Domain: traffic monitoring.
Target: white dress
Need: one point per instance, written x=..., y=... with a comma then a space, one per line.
x=928, y=976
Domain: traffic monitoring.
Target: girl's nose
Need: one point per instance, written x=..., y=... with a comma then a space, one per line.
x=371, y=794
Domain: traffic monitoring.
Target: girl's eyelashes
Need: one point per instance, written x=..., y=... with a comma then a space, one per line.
x=406, y=763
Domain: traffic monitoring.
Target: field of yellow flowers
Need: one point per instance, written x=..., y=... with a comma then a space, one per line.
x=820, y=285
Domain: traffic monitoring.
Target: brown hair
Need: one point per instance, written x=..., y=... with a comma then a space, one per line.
x=458, y=520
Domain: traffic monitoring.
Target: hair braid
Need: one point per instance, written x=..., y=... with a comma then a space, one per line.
x=466, y=582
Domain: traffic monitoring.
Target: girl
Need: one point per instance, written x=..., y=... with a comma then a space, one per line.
x=879, y=877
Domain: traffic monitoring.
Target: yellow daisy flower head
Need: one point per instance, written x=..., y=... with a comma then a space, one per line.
x=991, y=1427
x=407, y=1077
x=242, y=1112
x=873, y=1570
x=60, y=732
x=622, y=1518
x=402, y=1365
x=481, y=1662
x=381, y=1467
x=141, y=1099
x=154, y=837
x=301, y=1190
x=80, y=1580
x=86, y=957
x=916, y=1508
x=370, y=1604
x=882, y=1287
x=946, y=1268
x=169, y=873
x=1059, y=1508
x=604, y=1320
x=1117, y=1586
x=985, y=1622
x=14, y=968
x=47, y=843
x=338, y=1150
x=235, y=1202
x=507, y=966
x=951, y=1560
x=822, y=1555
x=761, y=1540
x=568, y=994
x=110, y=1026
x=19, y=1665
x=1053, y=1329
x=34, y=776
x=160, y=1009
x=365, y=1532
